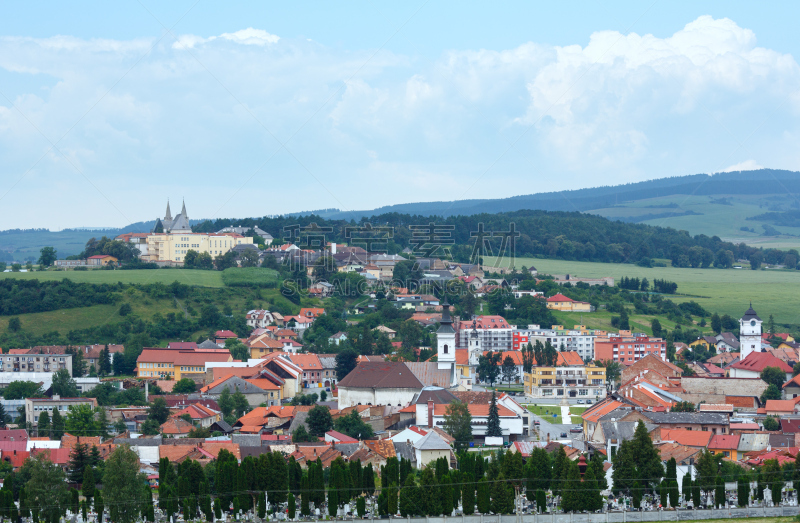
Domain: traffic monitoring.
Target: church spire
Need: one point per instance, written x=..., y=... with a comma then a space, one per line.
x=183, y=211
x=168, y=216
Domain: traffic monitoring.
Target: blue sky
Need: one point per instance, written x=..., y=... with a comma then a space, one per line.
x=107, y=110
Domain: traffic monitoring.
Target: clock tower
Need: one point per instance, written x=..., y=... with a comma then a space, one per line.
x=749, y=333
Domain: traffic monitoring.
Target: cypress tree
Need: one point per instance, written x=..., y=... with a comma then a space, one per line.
x=571, y=490
x=446, y=495
x=636, y=495
x=662, y=492
x=484, y=505
x=408, y=498
x=293, y=506
x=305, y=505
x=361, y=506
x=429, y=493
x=673, y=493
x=391, y=499
x=493, y=423
x=686, y=488
x=333, y=502
x=696, y=494
x=98, y=504
x=502, y=496
x=719, y=492
x=592, y=500
x=217, y=508
x=262, y=506
x=743, y=491
x=541, y=501
x=468, y=495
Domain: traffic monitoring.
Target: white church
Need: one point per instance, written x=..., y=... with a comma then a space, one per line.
x=446, y=350
x=753, y=356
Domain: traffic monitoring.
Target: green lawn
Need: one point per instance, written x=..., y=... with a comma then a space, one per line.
x=166, y=276
x=545, y=410
x=724, y=291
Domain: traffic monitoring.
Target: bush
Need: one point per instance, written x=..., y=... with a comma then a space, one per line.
x=81, y=268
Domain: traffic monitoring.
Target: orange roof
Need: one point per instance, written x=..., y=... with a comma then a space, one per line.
x=312, y=311
x=263, y=383
x=780, y=405
x=306, y=361
x=794, y=381
x=182, y=357
x=259, y=415
x=68, y=441
x=594, y=415
x=690, y=438
x=196, y=411
x=724, y=442
x=569, y=358
x=559, y=298
x=476, y=410
x=411, y=408
x=16, y=457
x=462, y=357
x=382, y=447
x=176, y=426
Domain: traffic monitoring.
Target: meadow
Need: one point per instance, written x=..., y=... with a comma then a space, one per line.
x=144, y=276
x=725, y=291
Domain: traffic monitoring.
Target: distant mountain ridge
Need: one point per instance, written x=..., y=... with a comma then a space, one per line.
x=762, y=181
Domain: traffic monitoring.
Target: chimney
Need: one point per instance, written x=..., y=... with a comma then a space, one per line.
x=430, y=414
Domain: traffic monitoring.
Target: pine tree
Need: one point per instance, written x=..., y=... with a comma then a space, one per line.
x=57, y=425
x=592, y=500
x=78, y=460
x=98, y=504
x=571, y=487
x=88, y=483
x=493, y=423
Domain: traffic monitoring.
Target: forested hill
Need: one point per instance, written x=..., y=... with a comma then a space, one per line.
x=763, y=181
x=564, y=235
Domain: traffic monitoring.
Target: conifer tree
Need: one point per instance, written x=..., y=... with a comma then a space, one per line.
x=571, y=487
x=446, y=495
x=408, y=498
x=541, y=501
x=719, y=493
x=98, y=505
x=502, y=496
x=292, y=508
x=591, y=499
x=674, y=495
x=305, y=496
x=686, y=487
x=468, y=496
x=743, y=492
x=361, y=506
x=484, y=504
x=429, y=493
x=391, y=499
x=493, y=423
x=636, y=495
x=560, y=463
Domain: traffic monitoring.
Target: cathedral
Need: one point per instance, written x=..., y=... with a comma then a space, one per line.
x=170, y=225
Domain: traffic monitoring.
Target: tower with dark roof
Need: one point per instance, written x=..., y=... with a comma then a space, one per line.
x=749, y=333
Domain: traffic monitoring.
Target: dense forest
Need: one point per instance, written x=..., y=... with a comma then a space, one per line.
x=559, y=235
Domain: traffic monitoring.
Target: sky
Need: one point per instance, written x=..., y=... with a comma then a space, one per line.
x=108, y=110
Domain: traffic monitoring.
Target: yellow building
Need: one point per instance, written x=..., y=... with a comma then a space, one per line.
x=571, y=378
x=559, y=302
x=176, y=364
x=173, y=247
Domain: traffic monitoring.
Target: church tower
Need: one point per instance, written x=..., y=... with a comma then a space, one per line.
x=749, y=333
x=474, y=347
x=446, y=340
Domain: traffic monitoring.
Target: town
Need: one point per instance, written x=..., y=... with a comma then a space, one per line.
x=495, y=417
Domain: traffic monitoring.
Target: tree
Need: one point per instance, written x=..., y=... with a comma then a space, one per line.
x=409, y=498
x=773, y=477
x=742, y=492
x=158, y=411
x=80, y=420
x=683, y=406
x=493, y=423
x=755, y=260
x=47, y=256
x=240, y=404
x=772, y=392
x=301, y=435
x=122, y=484
x=64, y=385
x=354, y=426
x=43, y=425
x=655, y=326
x=458, y=423
x=719, y=492
x=57, y=425
x=104, y=362
x=17, y=390
x=503, y=496
x=771, y=424
x=14, y=325
x=184, y=386
x=528, y=360
x=509, y=370
x=238, y=350
x=88, y=484
x=773, y=375
x=78, y=461
x=225, y=403
x=319, y=421
x=150, y=427
x=707, y=471
x=46, y=491
x=613, y=370
x=484, y=504
x=488, y=367
x=345, y=362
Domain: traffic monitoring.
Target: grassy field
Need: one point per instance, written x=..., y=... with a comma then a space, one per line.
x=724, y=291
x=166, y=276
x=721, y=219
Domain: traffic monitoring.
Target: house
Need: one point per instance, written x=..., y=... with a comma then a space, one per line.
x=727, y=342
x=201, y=416
x=328, y=362
x=755, y=362
x=429, y=448
x=262, y=345
x=591, y=416
x=312, y=369
x=176, y=428
x=791, y=389
x=266, y=418
x=752, y=443
x=690, y=438
x=385, y=330
x=260, y=318
x=713, y=422
x=100, y=260
x=378, y=383
x=570, y=378
x=257, y=391
x=338, y=338
x=560, y=302
x=337, y=437
x=780, y=407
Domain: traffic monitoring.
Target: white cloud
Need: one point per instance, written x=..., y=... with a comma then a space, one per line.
x=747, y=165
x=247, y=36
x=375, y=127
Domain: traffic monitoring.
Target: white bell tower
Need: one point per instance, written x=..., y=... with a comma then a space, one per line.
x=446, y=340
x=749, y=333
x=474, y=347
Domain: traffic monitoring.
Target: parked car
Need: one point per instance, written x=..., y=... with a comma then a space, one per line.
x=576, y=430
x=563, y=435
x=580, y=402
x=536, y=422
x=588, y=402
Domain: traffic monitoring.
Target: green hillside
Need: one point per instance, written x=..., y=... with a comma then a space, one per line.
x=166, y=276
x=726, y=291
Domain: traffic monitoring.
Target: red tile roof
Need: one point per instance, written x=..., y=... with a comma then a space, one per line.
x=182, y=357
x=569, y=358
x=724, y=442
x=794, y=381
x=758, y=361
x=559, y=298
x=690, y=438
x=594, y=415
x=780, y=405
x=341, y=438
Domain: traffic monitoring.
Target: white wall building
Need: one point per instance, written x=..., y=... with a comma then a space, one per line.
x=580, y=341
x=749, y=333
